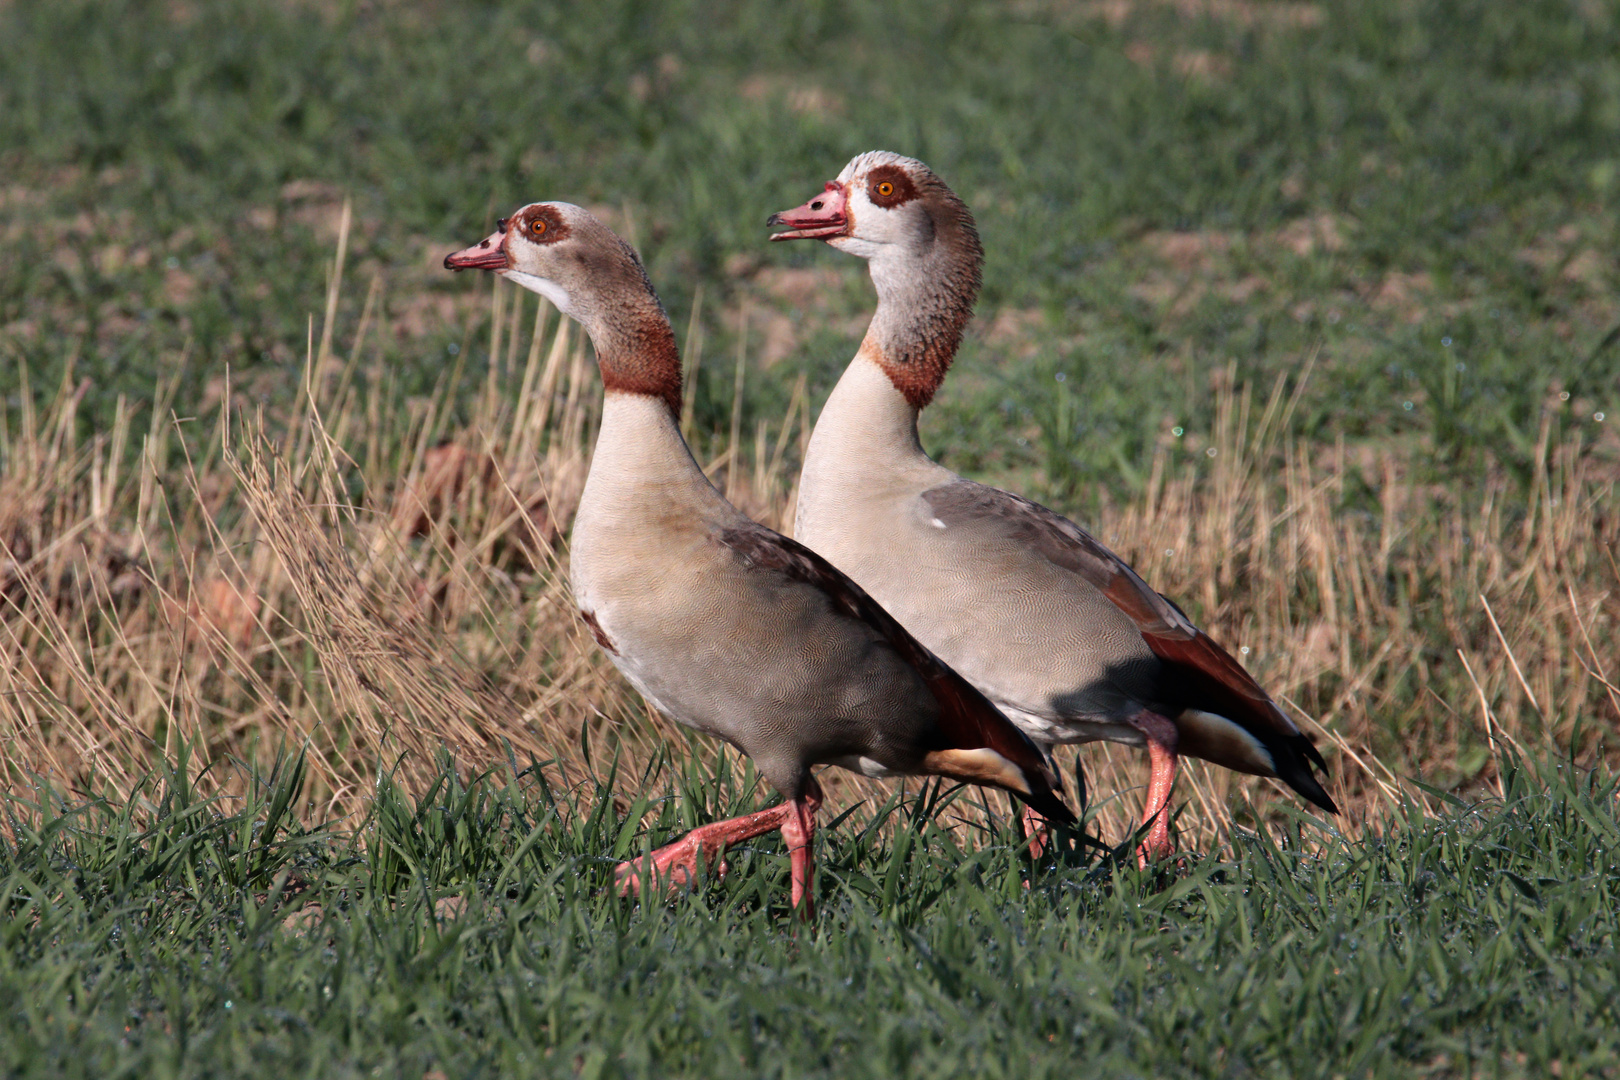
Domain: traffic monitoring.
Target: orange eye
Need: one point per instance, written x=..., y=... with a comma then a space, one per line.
x=885, y=189
x=537, y=227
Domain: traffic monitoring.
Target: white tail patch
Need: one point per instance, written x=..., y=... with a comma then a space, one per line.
x=1215, y=738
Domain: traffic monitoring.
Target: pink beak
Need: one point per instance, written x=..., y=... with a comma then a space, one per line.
x=822, y=218
x=488, y=254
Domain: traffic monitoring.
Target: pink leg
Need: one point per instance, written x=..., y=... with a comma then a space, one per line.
x=675, y=865
x=799, y=830
x=1161, y=748
x=1036, y=831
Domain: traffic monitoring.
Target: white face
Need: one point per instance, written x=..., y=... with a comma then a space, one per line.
x=560, y=251
x=883, y=203
x=527, y=249
x=533, y=239
x=545, y=287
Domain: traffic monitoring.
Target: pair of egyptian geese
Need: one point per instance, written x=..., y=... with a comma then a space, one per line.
x=919, y=623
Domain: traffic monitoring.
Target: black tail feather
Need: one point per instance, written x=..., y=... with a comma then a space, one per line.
x=1292, y=759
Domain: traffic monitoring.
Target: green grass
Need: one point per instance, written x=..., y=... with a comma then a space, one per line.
x=156, y=941
x=1447, y=138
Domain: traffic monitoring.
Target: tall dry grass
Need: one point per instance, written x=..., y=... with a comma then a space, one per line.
x=356, y=576
x=1419, y=638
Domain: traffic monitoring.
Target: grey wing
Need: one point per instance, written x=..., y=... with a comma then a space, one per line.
x=1062, y=543
x=1196, y=672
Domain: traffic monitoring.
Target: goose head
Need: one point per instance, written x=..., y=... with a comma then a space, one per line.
x=883, y=207
x=562, y=252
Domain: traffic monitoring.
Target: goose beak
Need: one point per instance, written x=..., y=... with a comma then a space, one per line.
x=488, y=254
x=822, y=218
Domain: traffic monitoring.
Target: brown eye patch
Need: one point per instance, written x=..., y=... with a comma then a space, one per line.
x=888, y=185
x=543, y=225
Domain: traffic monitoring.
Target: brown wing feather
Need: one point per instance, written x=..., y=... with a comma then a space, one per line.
x=967, y=719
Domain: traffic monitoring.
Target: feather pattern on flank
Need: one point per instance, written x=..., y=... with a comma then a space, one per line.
x=1199, y=675
x=967, y=720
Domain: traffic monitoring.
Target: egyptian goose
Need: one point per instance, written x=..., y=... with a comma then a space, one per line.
x=1053, y=627
x=720, y=623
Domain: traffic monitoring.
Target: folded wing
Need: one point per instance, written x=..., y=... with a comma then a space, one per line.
x=1197, y=672
x=981, y=744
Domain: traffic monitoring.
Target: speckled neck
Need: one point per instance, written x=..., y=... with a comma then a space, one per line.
x=635, y=347
x=926, y=292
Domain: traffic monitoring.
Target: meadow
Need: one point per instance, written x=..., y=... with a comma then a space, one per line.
x=1311, y=311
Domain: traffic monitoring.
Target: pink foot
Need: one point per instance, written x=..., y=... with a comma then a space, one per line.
x=1154, y=847
x=675, y=866
x=799, y=830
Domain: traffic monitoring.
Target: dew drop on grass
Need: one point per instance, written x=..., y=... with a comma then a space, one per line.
x=1445, y=342
x=1177, y=432
x=1598, y=417
x=1062, y=377
x=1407, y=405
x=1244, y=649
x=1210, y=452
x=452, y=348
x=1563, y=395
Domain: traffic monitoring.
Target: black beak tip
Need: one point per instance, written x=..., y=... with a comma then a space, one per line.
x=774, y=219
x=448, y=265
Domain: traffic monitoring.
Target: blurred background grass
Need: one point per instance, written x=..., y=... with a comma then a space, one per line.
x=1423, y=191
